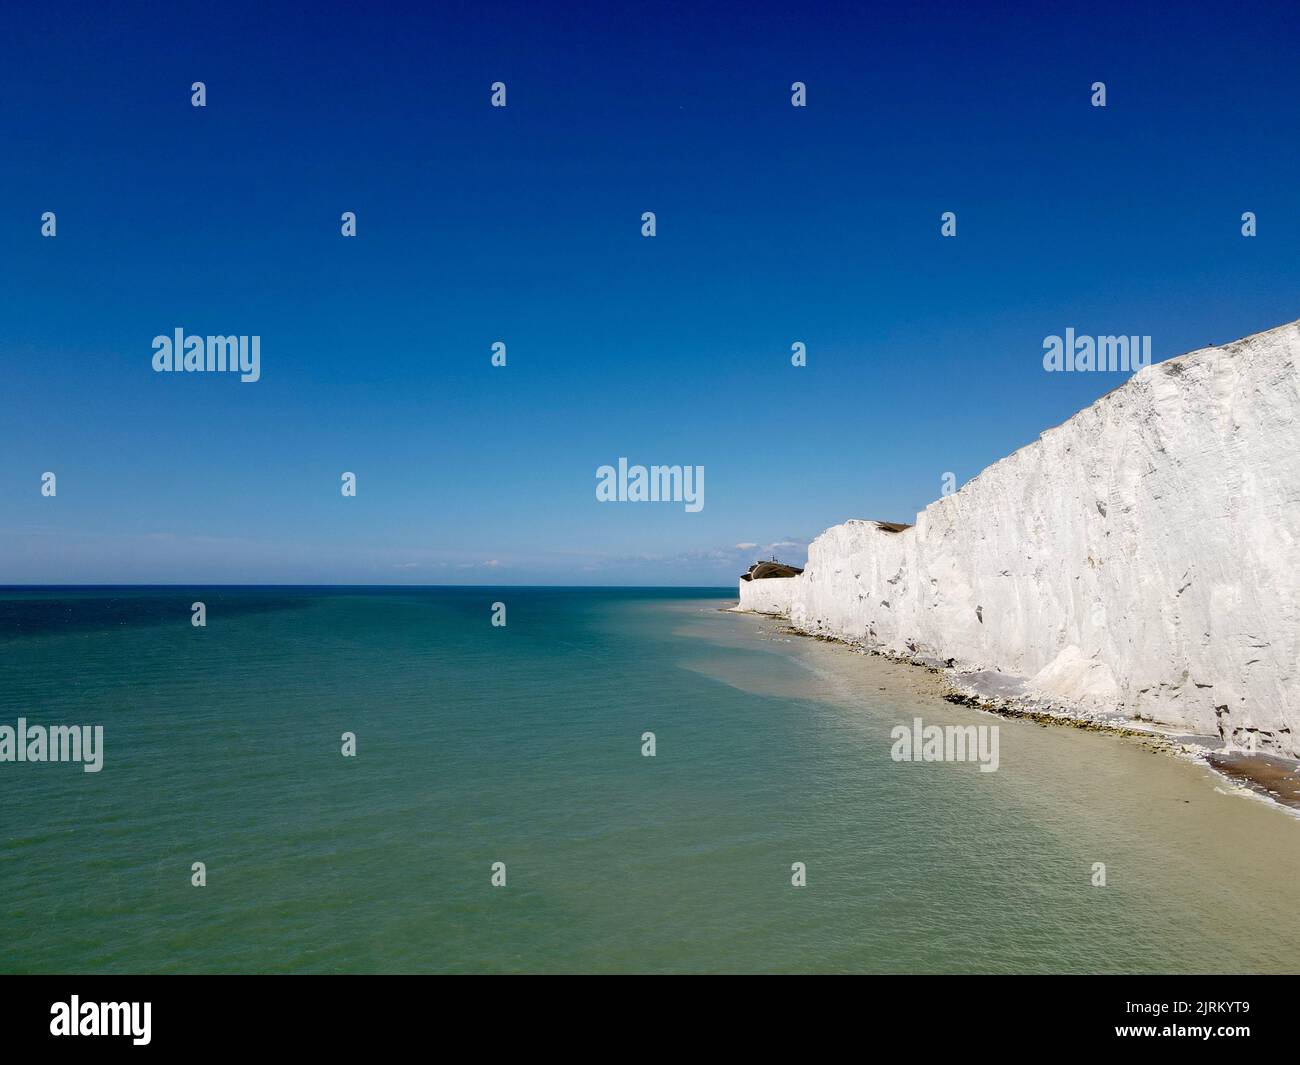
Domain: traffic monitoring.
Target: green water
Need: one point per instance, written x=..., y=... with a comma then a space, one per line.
x=522, y=744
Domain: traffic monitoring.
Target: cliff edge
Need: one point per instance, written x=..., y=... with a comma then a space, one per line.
x=1143, y=556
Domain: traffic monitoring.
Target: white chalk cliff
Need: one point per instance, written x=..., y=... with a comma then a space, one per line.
x=1143, y=556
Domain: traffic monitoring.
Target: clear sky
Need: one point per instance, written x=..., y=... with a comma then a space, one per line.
x=522, y=224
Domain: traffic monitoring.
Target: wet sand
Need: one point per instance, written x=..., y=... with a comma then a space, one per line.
x=1272, y=776
x=1278, y=778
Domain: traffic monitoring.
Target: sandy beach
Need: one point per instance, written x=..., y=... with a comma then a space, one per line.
x=1271, y=777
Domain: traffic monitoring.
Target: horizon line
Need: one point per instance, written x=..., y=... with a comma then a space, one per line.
x=213, y=584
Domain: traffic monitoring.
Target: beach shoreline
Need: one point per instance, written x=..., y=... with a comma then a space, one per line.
x=1269, y=777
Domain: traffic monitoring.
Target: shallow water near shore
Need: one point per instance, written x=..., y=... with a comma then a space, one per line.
x=523, y=744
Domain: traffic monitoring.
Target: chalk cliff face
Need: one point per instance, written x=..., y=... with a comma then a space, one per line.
x=1143, y=556
x=771, y=596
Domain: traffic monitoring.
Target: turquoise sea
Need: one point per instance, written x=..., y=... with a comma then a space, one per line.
x=522, y=744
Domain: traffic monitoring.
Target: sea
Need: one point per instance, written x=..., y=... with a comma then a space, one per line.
x=601, y=781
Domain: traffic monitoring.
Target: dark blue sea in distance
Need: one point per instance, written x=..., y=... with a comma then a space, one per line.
x=523, y=745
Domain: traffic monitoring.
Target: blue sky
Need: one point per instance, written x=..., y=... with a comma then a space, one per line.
x=477, y=224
